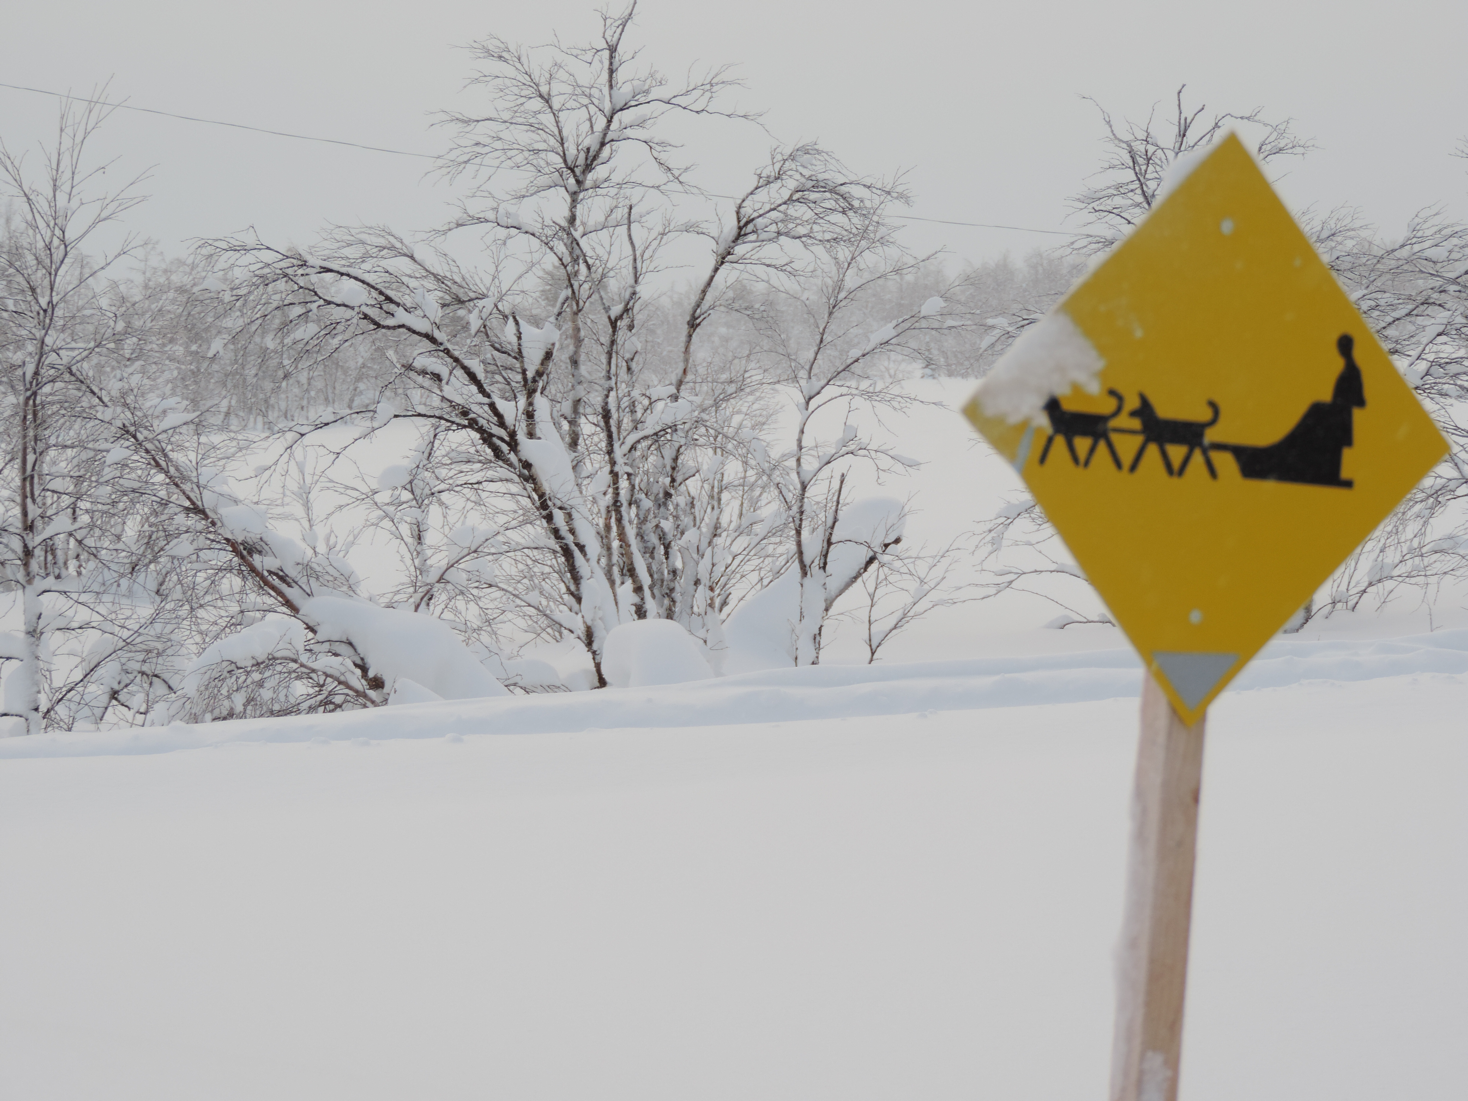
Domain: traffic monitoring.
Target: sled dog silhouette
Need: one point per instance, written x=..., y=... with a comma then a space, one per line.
x=1068, y=424
x=1163, y=432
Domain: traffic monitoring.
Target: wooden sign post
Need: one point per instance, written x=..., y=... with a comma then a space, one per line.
x=1152, y=960
x=1243, y=432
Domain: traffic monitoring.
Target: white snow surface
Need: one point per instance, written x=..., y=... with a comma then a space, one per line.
x=399, y=643
x=1046, y=360
x=653, y=651
x=854, y=882
x=809, y=694
x=761, y=632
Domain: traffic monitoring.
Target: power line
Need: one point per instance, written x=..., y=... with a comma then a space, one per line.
x=979, y=225
x=429, y=156
x=219, y=122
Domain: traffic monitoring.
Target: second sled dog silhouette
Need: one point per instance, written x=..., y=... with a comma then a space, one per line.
x=1163, y=431
x=1068, y=424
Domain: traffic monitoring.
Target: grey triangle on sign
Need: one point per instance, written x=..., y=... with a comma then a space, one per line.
x=1193, y=675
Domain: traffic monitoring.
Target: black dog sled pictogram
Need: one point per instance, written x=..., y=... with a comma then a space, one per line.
x=1308, y=454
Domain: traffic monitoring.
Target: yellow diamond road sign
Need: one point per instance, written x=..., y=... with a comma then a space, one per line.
x=1209, y=424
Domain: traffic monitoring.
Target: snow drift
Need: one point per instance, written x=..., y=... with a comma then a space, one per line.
x=653, y=651
x=399, y=644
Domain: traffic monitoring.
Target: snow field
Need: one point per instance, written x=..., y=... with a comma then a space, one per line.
x=918, y=904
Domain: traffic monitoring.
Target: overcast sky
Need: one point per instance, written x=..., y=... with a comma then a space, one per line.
x=979, y=103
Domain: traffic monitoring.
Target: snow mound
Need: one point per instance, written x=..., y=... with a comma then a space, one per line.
x=405, y=691
x=863, y=528
x=275, y=635
x=761, y=634
x=533, y=673
x=1048, y=359
x=404, y=645
x=653, y=651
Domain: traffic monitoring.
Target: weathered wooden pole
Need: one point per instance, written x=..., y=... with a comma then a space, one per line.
x=1152, y=964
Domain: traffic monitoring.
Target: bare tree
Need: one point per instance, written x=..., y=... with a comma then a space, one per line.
x=998, y=300
x=622, y=468
x=899, y=590
x=56, y=328
x=827, y=354
x=1019, y=553
x=1138, y=157
x=1413, y=291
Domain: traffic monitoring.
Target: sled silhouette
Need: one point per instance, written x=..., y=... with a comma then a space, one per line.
x=1310, y=453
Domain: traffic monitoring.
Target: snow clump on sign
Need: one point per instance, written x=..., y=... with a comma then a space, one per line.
x=1048, y=359
x=1180, y=169
x=652, y=651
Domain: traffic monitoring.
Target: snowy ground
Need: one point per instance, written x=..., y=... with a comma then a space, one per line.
x=904, y=887
x=847, y=882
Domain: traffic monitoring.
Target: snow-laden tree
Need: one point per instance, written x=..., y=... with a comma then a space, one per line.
x=209, y=356
x=69, y=568
x=267, y=613
x=998, y=299
x=243, y=598
x=613, y=443
x=139, y=582
x=829, y=353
